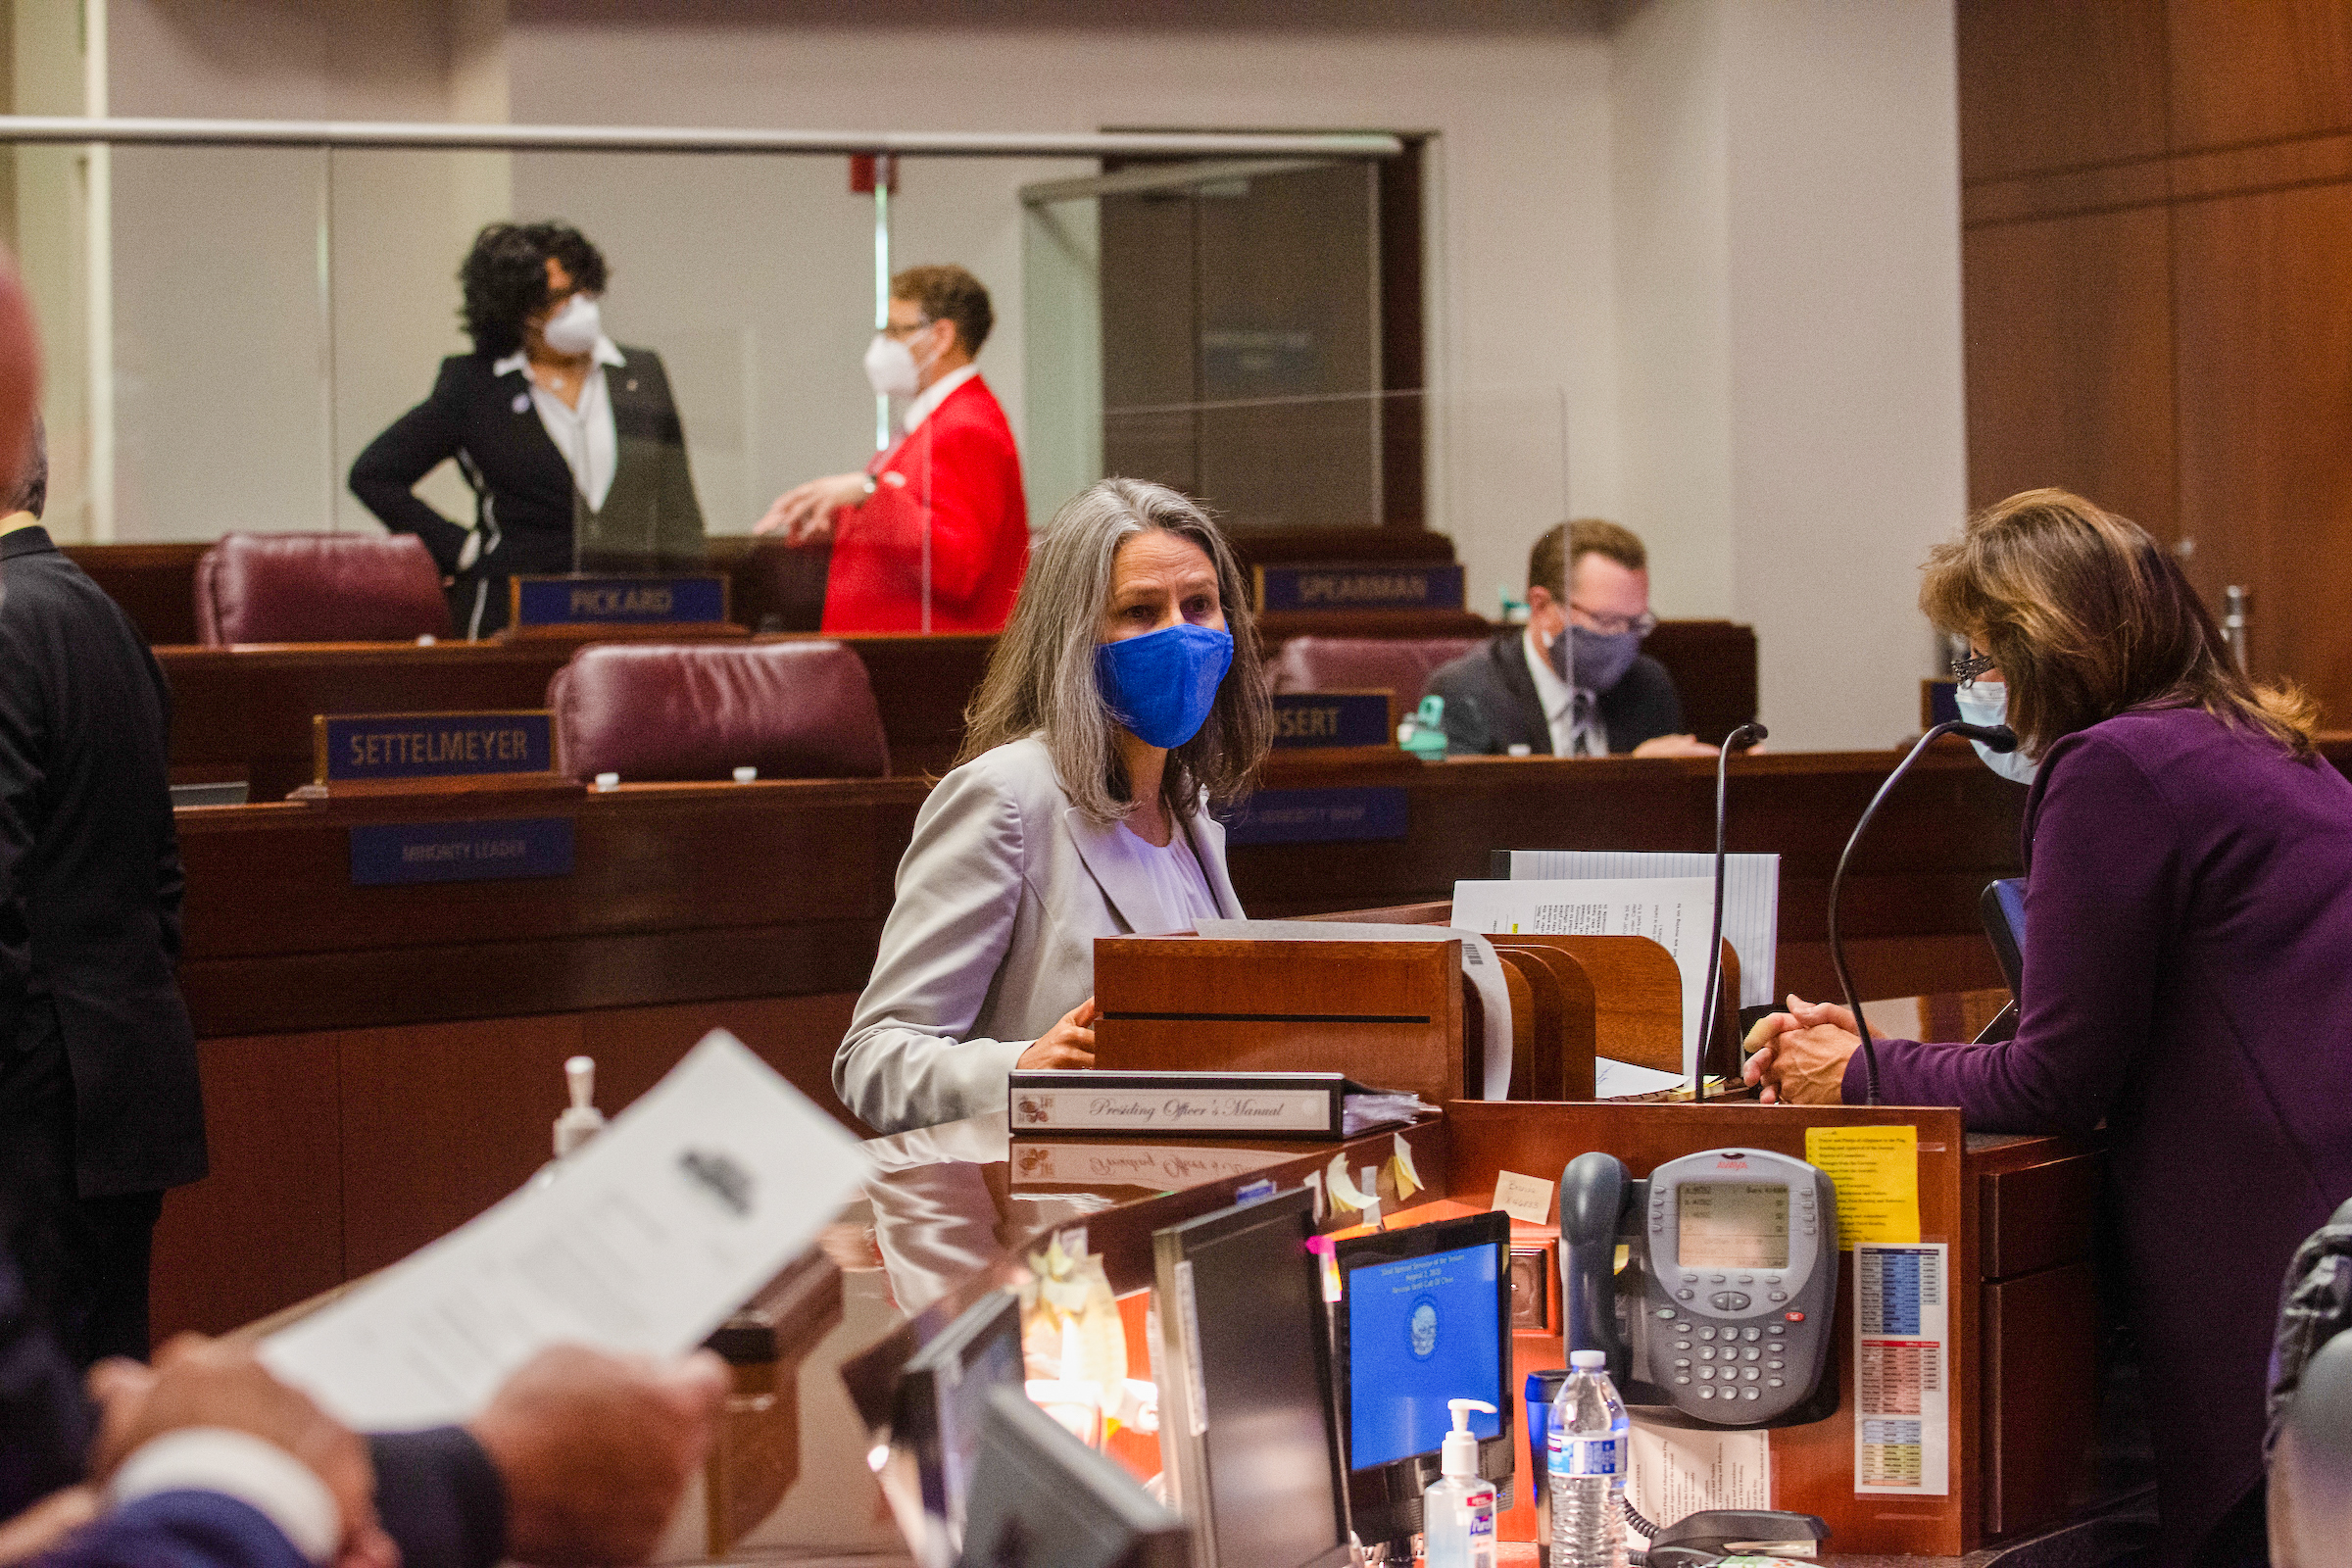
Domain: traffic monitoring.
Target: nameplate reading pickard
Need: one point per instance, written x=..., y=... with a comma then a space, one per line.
x=1208, y=1105
x=348, y=748
x=1305, y=720
x=687, y=600
x=495, y=850
x=1318, y=817
x=1372, y=585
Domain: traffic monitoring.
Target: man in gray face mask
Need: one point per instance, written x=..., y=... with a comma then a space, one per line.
x=1573, y=681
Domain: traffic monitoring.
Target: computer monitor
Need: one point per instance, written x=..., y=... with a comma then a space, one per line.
x=939, y=1410
x=1424, y=1317
x=1246, y=1423
x=1041, y=1499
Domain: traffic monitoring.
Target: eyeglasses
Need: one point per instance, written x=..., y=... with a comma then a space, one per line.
x=909, y=331
x=1640, y=625
x=1972, y=668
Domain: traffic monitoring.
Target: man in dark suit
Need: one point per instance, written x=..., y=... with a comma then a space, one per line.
x=1573, y=681
x=99, y=1104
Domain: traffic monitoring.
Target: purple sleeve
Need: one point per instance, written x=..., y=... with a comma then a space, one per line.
x=178, y=1530
x=2102, y=898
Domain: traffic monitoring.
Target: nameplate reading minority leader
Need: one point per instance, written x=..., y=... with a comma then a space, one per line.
x=680, y=601
x=349, y=746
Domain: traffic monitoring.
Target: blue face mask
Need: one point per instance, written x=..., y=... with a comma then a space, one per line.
x=1986, y=702
x=1163, y=684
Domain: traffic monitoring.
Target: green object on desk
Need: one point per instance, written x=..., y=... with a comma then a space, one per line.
x=1423, y=732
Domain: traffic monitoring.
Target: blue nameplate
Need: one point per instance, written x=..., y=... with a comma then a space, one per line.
x=1303, y=720
x=385, y=853
x=1372, y=586
x=619, y=601
x=376, y=746
x=1318, y=817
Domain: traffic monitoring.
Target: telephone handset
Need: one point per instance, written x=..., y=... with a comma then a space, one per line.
x=1722, y=1314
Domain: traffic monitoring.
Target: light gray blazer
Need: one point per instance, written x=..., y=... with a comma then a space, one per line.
x=991, y=938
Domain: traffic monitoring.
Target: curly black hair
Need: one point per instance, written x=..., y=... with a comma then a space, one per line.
x=505, y=278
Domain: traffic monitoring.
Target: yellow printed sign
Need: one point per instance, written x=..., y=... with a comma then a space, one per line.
x=1875, y=1170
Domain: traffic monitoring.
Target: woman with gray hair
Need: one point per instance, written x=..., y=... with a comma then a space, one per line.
x=1124, y=698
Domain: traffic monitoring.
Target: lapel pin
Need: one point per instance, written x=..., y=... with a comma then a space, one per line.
x=632, y=383
x=522, y=402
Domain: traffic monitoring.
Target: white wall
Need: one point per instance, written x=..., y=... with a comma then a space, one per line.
x=1789, y=255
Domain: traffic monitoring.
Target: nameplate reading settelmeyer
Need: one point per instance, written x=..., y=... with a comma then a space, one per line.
x=347, y=746
x=1269, y=1104
x=692, y=599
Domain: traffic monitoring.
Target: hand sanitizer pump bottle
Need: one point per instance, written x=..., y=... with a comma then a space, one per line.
x=580, y=1120
x=1457, y=1511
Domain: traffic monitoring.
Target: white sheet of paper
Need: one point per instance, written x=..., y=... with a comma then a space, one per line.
x=1751, y=896
x=1677, y=913
x=1480, y=967
x=693, y=1198
x=1523, y=1198
x=1677, y=1472
x=1615, y=1080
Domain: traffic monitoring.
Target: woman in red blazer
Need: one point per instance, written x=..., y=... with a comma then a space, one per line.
x=934, y=534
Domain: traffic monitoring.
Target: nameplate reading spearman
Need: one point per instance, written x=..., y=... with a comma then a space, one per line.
x=692, y=599
x=1375, y=585
x=498, y=850
x=1305, y=720
x=350, y=747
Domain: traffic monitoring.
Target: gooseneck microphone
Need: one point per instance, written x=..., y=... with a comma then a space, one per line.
x=1751, y=733
x=1994, y=738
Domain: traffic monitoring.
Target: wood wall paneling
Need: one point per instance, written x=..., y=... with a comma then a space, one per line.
x=2257, y=70
x=2264, y=369
x=264, y=1229
x=2067, y=327
x=2048, y=86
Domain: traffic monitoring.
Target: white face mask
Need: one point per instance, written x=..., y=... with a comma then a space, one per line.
x=576, y=326
x=889, y=367
x=1987, y=703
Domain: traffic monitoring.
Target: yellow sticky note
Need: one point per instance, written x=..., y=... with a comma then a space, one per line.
x=1875, y=1170
x=1523, y=1198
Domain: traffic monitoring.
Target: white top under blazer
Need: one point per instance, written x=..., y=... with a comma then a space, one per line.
x=991, y=939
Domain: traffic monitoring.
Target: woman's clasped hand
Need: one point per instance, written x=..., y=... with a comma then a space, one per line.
x=1800, y=1056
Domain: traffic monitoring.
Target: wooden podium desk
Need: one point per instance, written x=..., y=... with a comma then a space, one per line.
x=382, y=1062
x=2016, y=1213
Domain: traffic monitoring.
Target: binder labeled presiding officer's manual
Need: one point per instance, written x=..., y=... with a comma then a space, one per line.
x=1205, y=1105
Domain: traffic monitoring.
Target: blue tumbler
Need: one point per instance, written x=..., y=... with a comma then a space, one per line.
x=1542, y=1388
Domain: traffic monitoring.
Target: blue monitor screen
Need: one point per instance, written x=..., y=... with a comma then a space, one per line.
x=1422, y=1331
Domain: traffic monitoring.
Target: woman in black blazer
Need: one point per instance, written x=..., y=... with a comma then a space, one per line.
x=572, y=443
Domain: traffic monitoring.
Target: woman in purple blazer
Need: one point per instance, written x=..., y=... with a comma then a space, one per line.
x=2187, y=968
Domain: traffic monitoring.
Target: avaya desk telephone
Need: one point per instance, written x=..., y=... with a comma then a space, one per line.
x=1722, y=1314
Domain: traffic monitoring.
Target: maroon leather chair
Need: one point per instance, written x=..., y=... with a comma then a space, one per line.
x=318, y=588
x=700, y=711
x=1402, y=665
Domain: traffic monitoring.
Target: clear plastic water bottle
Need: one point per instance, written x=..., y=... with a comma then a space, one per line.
x=1589, y=1439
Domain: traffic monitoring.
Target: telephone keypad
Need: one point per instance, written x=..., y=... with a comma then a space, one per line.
x=1749, y=1335
x=1706, y=1334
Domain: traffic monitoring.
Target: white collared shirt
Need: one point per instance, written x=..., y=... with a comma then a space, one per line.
x=1568, y=738
x=585, y=435
x=927, y=402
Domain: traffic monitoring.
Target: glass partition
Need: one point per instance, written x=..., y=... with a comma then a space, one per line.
x=260, y=315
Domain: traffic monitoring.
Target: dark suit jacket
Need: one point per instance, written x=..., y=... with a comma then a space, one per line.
x=1492, y=706
x=524, y=491
x=90, y=879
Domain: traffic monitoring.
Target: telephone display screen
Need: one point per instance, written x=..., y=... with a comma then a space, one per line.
x=1731, y=1224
